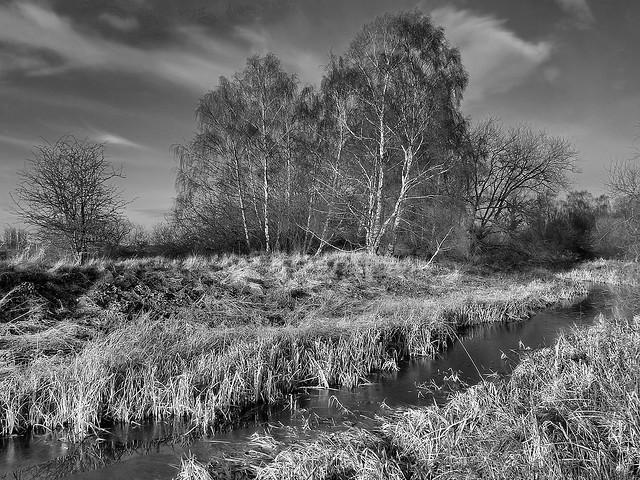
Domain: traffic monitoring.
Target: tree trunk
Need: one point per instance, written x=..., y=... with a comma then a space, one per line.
x=243, y=211
x=402, y=197
x=265, y=185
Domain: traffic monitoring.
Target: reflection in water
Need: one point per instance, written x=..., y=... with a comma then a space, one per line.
x=91, y=454
x=155, y=450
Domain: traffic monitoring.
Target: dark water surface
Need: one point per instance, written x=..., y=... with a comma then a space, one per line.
x=154, y=451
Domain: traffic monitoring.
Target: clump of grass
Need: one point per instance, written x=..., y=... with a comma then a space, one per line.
x=171, y=367
x=357, y=454
x=191, y=469
x=570, y=411
x=29, y=256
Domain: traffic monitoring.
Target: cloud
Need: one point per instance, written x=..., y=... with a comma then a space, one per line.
x=551, y=74
x=153, y=213
x=43, y=43
x=496, y=59
x=19, y=142
x=301, y=61
x=113, y=139
x=580, y=10
x=123, y=24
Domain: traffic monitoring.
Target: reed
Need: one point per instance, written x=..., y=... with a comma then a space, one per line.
x=191, y=469
x=167, y=367
x=569, y=411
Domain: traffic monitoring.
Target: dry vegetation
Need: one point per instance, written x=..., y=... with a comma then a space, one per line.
x=570, y=411
x=206, y=338
x=611, y=272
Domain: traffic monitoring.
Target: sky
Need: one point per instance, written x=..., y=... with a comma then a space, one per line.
x=130, y=73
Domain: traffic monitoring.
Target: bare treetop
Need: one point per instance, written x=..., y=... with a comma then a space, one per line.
x=65, y=193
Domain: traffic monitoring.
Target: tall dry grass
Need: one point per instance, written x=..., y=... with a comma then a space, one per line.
x=611, y=272
x=204, y=338
x=570, y=411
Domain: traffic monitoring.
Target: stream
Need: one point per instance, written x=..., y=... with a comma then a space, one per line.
x=154, y=451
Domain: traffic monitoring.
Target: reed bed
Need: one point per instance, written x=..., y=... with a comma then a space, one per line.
x=167, y=367
x=203, y=339
x=611, y=272
x=569, y=411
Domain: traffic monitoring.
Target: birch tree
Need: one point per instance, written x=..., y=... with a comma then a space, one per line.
x=213, y=166
x=406, y=82
x=241, y=162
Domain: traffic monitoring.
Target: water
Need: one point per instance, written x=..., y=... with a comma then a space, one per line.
x=154, y=451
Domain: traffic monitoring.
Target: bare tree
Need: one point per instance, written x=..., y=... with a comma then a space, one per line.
x=65, y=191
x=404, y=85
x=213, y=168
x=505, y=169
x=623, y=185
x=14, y=238
x=241, y=162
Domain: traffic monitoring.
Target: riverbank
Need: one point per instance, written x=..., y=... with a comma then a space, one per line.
x=609, y=272
x=205, y=339
x=568, y=411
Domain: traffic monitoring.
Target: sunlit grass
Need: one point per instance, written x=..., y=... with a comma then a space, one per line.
x=612, y=272
x=569, y=411
x=206, y=337
x=191, y=469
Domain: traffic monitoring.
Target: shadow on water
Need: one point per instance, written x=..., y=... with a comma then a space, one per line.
x=155, y=450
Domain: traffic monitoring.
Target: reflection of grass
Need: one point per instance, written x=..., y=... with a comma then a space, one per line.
x=569, y=411
x=204, y=338
x=90, y=454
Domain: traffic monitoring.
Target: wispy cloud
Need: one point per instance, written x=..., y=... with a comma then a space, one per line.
x=17, y=141
x=305, y=63
x=125, y=24
x=114, y=139
x=496, y=58
x=580, y=10
x=195, y=61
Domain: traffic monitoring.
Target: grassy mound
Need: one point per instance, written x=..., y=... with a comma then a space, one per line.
x=204, y=339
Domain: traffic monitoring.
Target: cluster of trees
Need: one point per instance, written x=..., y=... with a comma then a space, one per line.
x=14, y=239
x=378, y=157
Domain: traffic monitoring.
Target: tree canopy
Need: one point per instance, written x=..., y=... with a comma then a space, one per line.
x=378, y=156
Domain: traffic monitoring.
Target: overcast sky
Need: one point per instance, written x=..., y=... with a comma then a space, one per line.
x=130, y=72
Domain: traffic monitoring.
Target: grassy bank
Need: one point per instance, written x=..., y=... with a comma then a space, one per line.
x=204, y=339
x=570, y=411
x=610, y=272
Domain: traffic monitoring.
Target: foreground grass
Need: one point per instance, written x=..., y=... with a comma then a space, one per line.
x=570, y=411
x=204, y=339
